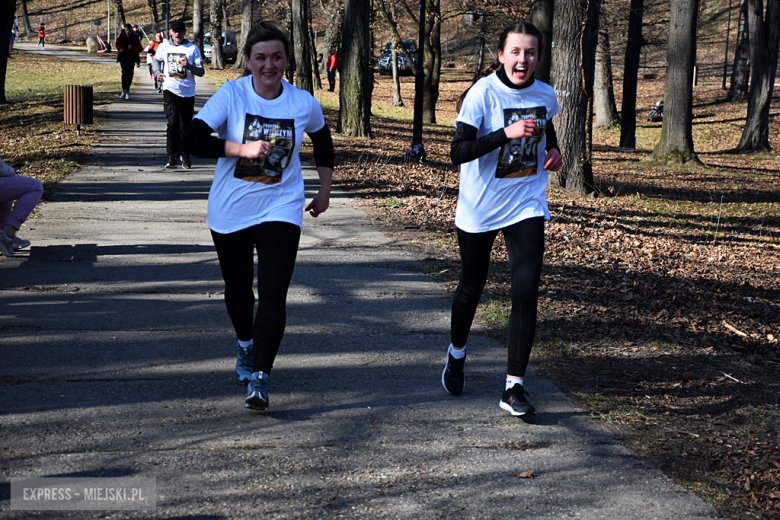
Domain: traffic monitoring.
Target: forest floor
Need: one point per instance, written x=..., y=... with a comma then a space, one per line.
x=659, y=308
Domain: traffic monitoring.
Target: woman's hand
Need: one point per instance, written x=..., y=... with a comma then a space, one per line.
x=553, y=160
x=522, y=128
x=255, y=150
x=320, y=203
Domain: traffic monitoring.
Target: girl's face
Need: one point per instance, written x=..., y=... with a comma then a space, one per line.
x=267, y=63
x=519, y=57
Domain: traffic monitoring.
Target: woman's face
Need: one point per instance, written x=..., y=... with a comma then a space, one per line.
x=519, y=56
x=267, y=63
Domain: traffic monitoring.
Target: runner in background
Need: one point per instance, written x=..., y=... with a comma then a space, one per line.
x=41, y=36
x=176, y=63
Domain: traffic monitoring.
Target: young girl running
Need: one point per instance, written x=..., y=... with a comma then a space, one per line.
x=502, y=132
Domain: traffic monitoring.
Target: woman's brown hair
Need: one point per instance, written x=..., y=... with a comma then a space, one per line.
x=266, y=31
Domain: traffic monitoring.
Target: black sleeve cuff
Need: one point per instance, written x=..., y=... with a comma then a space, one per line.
x=466, y=147
x=198, y=141
x=552, y=137
x=322, y=146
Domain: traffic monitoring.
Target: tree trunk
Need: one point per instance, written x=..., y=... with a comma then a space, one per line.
x=197, y=24
x=7, y=21
x=300, y=22
x=573, y=67
x=740, y=72
x=355, y=71
x=676, y=143
x=154, y=15
x=246, y=26
x=481, y=60
x=631, y=75
x=604, y=100
x=217, y=58
x=26, y=19
x=542, y=18
x=432, y=65
x=315, y=70
x=397, y=101
x=184, y=11
x=120, y=14
x=764, y=43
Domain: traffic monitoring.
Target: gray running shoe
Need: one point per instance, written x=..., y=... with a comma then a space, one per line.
x=244, y=363
x=6, y=244
x=257, y=391
x=20, y=244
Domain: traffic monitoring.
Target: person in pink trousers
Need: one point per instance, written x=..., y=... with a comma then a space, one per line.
x=26, y=192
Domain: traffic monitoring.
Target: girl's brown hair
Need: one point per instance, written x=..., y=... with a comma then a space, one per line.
x=515, y=28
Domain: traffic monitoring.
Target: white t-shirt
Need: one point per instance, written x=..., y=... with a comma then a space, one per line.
x=248, y=192
x=178, y=80
x=508, y=184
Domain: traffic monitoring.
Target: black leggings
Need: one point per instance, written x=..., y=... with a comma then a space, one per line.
x=277, y=247
x=525, y=245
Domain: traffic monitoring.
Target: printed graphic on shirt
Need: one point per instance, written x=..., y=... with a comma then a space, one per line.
x=281, y=134
x=175, y=70
x=518, y=158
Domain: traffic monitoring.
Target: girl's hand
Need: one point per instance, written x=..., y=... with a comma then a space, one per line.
x=522, y=128
x=553, y=160
x=320, y=203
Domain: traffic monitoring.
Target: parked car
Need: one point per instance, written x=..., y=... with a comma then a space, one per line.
x=229, y=46
x=409, y=44
x=386, y=65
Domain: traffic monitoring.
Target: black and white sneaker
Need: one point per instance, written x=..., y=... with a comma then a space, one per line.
x=185, y=162
x=171, y=164
x=514, y=402
x=452, y=378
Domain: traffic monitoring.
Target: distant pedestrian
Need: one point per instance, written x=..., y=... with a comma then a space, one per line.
x=502, y=132
x=137, y=34
x=128, y=47
x=26, y=192
x=331, y=66
x=14, y=33
x=176, y=63
x=257, y=200
x=151, y=50
x=41, y=36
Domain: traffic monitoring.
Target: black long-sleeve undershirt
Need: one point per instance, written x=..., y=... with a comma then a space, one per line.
x=199, y=141
x=466, y=146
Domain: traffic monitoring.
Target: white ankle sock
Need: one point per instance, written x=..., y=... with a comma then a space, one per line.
x=512, y=382
x=245, y=344
x=455, y=353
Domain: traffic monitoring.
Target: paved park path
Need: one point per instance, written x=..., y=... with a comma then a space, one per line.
x=117, y=361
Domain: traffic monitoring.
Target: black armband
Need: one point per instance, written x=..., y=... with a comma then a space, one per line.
x=198, y=141
x=466, y=146
x=322, y=146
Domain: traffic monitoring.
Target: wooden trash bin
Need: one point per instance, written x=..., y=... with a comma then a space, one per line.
x=78, y=106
